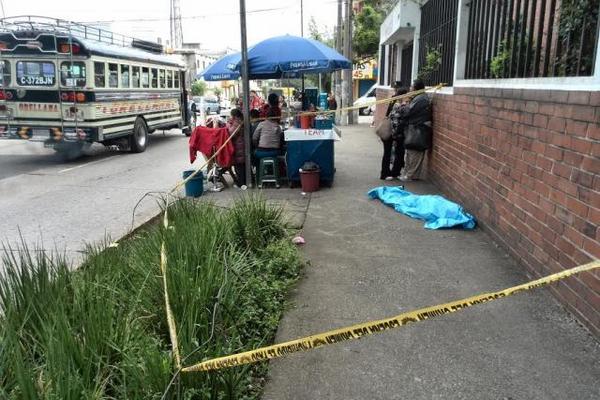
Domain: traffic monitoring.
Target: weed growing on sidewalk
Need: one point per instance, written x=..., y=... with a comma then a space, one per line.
x=101, y=331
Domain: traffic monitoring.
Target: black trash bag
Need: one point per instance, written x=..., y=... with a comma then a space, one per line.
x=310, y=166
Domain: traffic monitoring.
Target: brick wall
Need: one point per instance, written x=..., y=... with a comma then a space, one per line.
x=527, y=164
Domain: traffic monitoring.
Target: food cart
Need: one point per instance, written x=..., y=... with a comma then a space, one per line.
x=316, y=145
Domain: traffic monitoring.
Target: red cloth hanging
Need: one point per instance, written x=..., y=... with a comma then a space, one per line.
x=209, y=140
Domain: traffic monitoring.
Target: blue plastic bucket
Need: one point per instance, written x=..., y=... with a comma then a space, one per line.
x=195, y=186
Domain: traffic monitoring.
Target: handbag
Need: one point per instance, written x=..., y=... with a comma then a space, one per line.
x=384, y=129
x=417, y=137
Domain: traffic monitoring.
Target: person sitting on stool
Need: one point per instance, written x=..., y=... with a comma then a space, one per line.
x=267, y=137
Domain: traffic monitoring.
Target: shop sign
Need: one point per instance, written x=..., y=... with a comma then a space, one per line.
x=364, y=70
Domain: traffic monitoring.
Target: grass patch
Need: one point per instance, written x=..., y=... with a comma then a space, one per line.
x=101, y=332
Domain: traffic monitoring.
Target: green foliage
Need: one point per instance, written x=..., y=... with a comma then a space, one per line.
x=327, y=38
x=101, y=331
x=365, y=41
x=577, y=34
x=433, y=60
x=217, y=91
x=499, y=62
x=198, y=88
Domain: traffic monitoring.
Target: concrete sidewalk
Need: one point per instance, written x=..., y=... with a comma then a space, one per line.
x=369, y=262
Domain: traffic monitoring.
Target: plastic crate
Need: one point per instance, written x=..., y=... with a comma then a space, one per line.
x=323, y=123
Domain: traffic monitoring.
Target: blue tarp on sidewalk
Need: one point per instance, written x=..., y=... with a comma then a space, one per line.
x=436, y=211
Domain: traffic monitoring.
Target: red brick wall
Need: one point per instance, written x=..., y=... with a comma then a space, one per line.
x=527, y=164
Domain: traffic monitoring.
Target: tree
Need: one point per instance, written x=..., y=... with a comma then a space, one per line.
x=365, y=42
x=325, y=37
x=321, y=35
x=198, y=88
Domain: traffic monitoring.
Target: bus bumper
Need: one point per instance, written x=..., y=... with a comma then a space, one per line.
x=49, y=135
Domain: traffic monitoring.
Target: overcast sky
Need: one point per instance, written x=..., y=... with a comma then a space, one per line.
x=214, y=23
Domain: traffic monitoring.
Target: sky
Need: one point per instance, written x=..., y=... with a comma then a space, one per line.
x=214, y=23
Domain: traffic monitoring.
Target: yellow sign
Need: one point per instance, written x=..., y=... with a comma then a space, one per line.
x=364, y=70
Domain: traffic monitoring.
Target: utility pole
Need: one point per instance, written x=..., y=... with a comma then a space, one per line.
x=347, y=83
x=302, y=18
x=302, y=35
x=338, y=44
x=176, y=29
x=246, y=90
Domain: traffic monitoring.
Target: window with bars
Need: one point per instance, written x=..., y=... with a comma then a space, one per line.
x=531, y=38
x=438, y=41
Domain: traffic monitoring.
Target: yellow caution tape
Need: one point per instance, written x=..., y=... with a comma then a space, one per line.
x=359, y=331
x=169, y=311
x=350, y=108
x=163, y=255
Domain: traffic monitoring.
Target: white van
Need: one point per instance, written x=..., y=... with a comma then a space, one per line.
x=366, y=99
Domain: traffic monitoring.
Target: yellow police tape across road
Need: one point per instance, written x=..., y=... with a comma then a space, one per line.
x=359, y=331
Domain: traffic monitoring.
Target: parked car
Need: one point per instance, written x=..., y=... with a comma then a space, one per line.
x=365, y=99
x=208, y=104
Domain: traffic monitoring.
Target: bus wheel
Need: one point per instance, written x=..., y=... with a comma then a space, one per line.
x=139, y=137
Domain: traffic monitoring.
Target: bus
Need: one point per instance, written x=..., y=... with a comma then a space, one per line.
x=69, y=85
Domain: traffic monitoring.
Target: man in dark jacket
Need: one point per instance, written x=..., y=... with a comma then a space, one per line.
x=395, y=143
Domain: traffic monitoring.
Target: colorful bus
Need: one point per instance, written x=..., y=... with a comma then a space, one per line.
x=70, y=85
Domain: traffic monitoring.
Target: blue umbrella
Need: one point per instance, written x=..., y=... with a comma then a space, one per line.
x=290, y=55
x=224, y=70
x=220, y=71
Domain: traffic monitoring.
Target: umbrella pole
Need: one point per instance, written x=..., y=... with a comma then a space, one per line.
x=320, y=87
x=303, y=95
x=246, y=88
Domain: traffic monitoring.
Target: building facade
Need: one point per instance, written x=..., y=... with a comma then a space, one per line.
x=517, y=127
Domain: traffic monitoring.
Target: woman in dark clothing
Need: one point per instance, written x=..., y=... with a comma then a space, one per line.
x=331, y=102
x=417, y=116
x=396, y=142
x=272, y=104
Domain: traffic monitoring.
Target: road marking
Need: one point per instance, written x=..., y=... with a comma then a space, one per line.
x=84, y=165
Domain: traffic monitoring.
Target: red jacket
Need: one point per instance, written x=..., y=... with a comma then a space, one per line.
x=207, y=141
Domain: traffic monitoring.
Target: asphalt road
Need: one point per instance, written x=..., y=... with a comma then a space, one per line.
x=59, y=205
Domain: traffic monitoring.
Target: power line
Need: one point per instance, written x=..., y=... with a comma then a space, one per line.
x=201, y=16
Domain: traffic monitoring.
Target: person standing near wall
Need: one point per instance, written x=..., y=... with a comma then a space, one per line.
x=396, y=142
x=417, y=137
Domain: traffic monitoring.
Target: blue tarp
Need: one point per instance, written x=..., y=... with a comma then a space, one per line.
x=436, y=211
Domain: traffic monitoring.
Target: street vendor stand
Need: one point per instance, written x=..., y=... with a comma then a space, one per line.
x=316, y=145
x=290, y=56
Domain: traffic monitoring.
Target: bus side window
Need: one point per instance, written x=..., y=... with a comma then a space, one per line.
x=99, y=74
x=124, y=76
x=169, y=79
x=145, y=77
x=162, y=81
x=4, y=73
x=176, y=73
x=135, y=77
x=113, y=75
x=154, y=81
x=72, y=74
